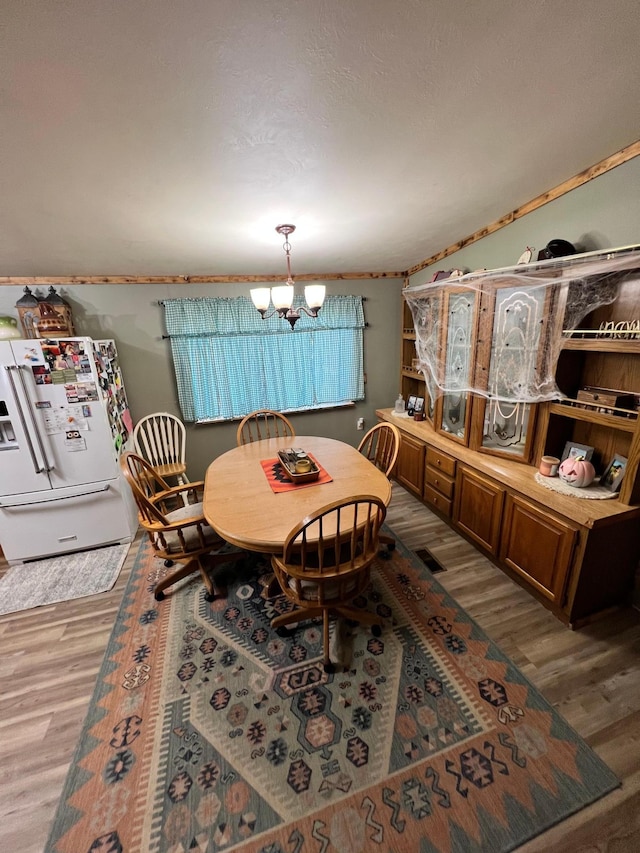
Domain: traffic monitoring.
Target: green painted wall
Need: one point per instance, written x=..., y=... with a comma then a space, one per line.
x=602, y=214
x=132, y=316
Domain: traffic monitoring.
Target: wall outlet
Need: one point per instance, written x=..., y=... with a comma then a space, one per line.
x=360, y=423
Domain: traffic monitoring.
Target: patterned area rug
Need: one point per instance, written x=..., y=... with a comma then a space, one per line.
x=61, y=578
x=208, y=731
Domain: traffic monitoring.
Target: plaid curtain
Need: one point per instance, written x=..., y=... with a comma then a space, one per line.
x=229, y=361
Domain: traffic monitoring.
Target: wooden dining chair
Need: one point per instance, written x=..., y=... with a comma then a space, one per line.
x=381, y=446
x=326, y=563
x=263, y=423
x=175, y=524
x=160, y=439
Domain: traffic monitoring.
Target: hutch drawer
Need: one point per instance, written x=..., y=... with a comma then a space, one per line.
x=441, y=461
x=438, y=501
x=439, y=481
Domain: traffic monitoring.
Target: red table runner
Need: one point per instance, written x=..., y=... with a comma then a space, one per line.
x=279, y=481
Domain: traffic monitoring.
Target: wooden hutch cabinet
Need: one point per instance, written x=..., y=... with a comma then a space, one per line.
x=410, y=465
x=538, y=546
x=478, y=508
x=474, y=460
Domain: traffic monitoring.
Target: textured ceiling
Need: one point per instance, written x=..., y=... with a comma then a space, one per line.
x=171, y=137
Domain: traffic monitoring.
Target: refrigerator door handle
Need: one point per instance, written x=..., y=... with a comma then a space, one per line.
x=36, y=465
x=10, y=503
x=21, y=368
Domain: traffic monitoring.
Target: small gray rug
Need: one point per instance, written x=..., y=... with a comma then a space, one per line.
x=61, y=578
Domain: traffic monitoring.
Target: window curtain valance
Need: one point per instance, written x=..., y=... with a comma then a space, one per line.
x=238, y=316
x=228, y=361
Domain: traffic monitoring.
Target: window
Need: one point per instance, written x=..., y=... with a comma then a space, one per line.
x=228, y=361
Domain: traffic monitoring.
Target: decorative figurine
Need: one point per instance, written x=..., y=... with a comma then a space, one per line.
x=45, y=316
x=62, y=308
x=29, y=313
x=577, y=472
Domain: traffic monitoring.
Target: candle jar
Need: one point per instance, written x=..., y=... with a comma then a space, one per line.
x=549, y=466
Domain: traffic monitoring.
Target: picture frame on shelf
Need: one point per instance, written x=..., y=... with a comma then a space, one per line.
x=614, y=473
x=419, y=406
x=573, y=450
x=411, y=405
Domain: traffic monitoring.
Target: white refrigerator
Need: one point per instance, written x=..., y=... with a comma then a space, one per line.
x=64, y=421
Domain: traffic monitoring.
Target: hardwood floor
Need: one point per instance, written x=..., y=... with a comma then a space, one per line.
x=50, y=657
x=49, y=661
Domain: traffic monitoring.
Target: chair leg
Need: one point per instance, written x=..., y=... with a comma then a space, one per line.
x=297, y=615
x=213, y=560
x=195, y=565
x=184, y=570
x=273, y=589
x=361, y=616
x=328, y=666
x=210, y=594
x=390, y=543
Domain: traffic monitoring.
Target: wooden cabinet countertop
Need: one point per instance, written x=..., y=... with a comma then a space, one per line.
x=516, y=476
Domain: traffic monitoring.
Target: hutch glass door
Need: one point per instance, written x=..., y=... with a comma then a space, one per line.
x=518, y=321
x=458, y=366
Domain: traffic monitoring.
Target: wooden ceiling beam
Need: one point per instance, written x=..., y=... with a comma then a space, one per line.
x=186, y=279
x=578, y=180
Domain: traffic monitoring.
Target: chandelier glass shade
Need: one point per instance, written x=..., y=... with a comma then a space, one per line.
x=282, y=295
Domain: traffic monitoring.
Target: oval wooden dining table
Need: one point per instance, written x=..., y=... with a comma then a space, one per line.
x=241, y=506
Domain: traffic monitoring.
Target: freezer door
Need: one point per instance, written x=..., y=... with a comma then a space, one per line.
x=64, y=401
x=25, y=452
x=39, y=525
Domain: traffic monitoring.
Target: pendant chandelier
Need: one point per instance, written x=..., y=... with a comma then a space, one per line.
x=282, y=295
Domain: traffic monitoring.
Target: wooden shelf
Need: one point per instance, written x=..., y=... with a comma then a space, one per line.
x=591, y=417
x=414, y=374
x=601, y=345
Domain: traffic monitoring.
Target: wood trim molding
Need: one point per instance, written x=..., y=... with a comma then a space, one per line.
x=186, y=279
x=578, y=180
